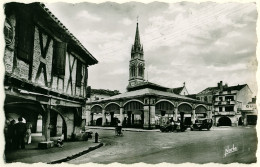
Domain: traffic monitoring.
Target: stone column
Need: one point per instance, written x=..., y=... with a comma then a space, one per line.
x=39, y=124
x=103, y=117
x=149, y=116
x=129, y=118
x=152, y=116
x=46, y=124
x=146, y=117
x=193, y=116
x=175, y=116
x=112, y=118
x=121, y=117
x=59, y=125
x=88, y=117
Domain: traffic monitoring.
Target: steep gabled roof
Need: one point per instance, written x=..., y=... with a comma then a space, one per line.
x=105, y=92
x=238, y=87
x=209, y=90
x=176, y=90
x=143, y=85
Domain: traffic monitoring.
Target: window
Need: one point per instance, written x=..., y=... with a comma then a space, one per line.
x=220, y=98
x=229, y=108
x=140, y=70
x=9, y=33
x=79, y=73
x=59, y=59
x=220, y=109
x=206, y=98
x=230, y=98
x=25, y=33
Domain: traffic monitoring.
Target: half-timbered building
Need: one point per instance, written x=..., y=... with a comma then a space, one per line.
x=46, y=72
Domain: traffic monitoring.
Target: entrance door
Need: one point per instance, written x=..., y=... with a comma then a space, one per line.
x=224, y=121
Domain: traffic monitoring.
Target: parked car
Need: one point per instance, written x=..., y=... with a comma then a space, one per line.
x=176, y=126
x=202, y=123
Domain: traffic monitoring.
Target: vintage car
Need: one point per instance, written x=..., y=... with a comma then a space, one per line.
x=176, y=126
x=202, y=123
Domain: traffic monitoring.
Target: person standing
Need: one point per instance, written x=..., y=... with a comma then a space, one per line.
x=20, y=131
x=28, y=132
x=11, y=134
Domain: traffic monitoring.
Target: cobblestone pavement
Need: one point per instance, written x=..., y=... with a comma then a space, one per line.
x=219, y=145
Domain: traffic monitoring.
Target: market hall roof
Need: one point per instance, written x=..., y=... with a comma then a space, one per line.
x=43, y=14
x=147, y=92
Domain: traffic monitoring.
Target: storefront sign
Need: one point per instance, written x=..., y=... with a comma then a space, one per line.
x=249, y=107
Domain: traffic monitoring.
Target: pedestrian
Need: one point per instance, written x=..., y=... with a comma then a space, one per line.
x=59, y=142
x=11, y=134
x=119, y=127
x=20, y=132
x=28, y=132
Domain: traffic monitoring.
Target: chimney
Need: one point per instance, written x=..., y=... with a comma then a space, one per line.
x=254, y=99
x=226, y=85
x=220, y=86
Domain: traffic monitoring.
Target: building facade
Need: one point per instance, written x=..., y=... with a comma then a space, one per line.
x=249, y=113
x=46, y=72
x=228, y=103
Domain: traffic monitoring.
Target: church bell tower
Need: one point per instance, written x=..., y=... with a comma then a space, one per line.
x=136, y=64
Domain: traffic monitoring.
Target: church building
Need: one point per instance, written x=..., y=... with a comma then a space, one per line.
x=145, y=104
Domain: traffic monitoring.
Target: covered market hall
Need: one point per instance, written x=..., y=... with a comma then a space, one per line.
x=146, y=106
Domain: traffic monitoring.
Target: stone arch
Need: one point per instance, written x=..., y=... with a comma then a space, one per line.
x=97, y=108
x=111, y=103
x=185, y=110
x=185, y=107
x=132, y=101
x=62, y=127
x=114, y=109
x=224, y=121
x=201, y=111
x=29, y=110
x=163, y=107
x=165, y=100
x=133, y=105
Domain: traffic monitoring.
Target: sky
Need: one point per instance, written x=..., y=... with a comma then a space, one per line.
x=199, y=44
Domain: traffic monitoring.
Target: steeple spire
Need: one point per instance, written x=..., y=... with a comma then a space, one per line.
x=136, y=64
x=137, y=43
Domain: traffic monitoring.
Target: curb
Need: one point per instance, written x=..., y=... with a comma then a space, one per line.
x=76, y=155
x=130, y=130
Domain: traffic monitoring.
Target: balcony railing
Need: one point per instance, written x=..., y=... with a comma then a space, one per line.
x=225, y=113
x=224, y=102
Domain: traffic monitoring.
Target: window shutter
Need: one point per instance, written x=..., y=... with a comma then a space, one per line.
x=79, y=73
x=88, y=92
x=25, y=32
x=59, y=58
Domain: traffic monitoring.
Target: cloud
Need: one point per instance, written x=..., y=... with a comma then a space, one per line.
x=200, y=44
x=127, y=21
x=86, y=15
